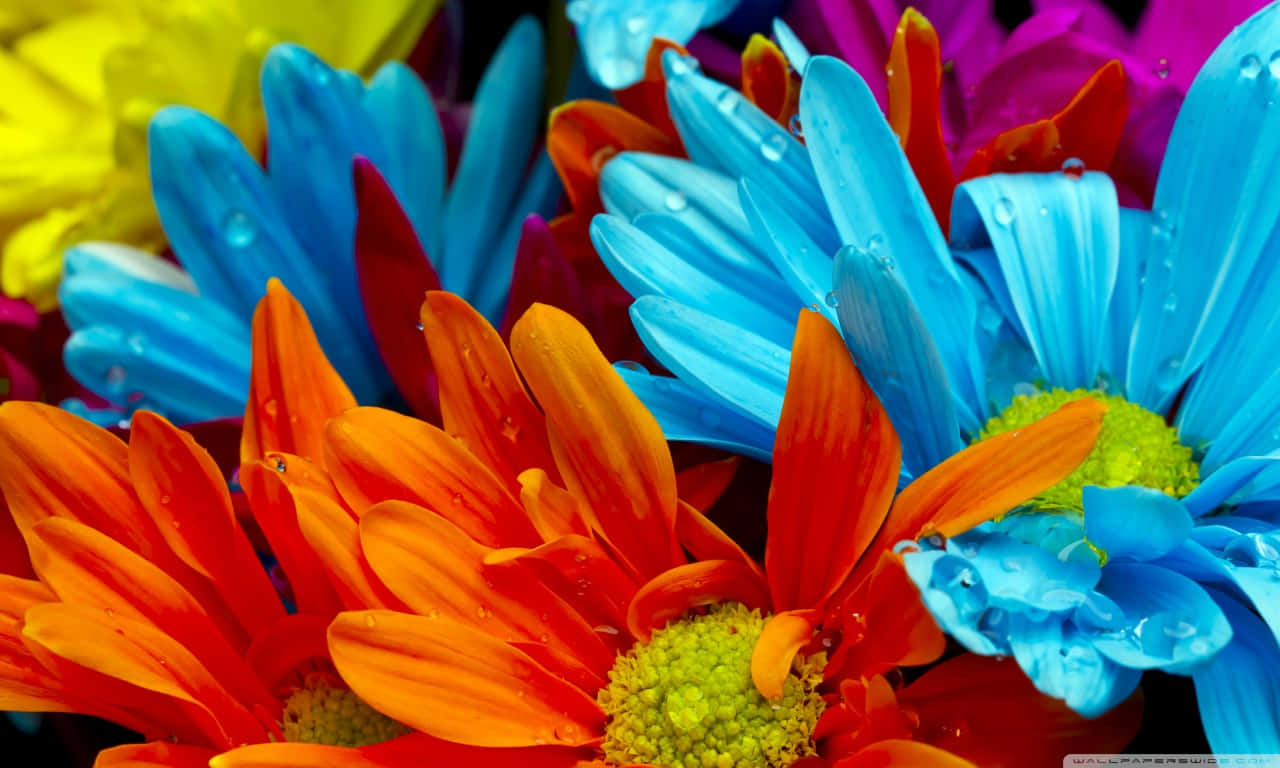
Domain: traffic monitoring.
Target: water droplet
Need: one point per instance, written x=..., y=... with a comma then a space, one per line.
x=1161, y=68
x=369, y=621
x=637, y=24
x=728, y=101
x=280, y=465
x=607, y=630
x=457, y=498
x=1273, y=64
x=676, y=201
x=1170, y=302
x=1073, y=167
x=1199, y=646
x=833, y=300
x=773, y=147
x=1044, y=211
x=795, y=127
x=1004, y=212
x=419, y=325
x=680, y=67
x=1169, y=374
x=601, y=156
x=116, y=377
x=238, y=229
x=579, y=558
x=1250, y=66
x=483, y=612
x=508, y=428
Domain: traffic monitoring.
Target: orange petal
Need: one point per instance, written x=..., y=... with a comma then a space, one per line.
x=706, y=541
x=377, y=455
x=766, y=79
x=293, y=389
x=647, y=99
x=583, y=135
x=275, y=513
x=411, y=751
x=702, y=485
x=25, y=684
x=835, y=468
x=610, y=450
x=336, y=540
x=156, y=754
x=883, y=624
x=987, y=711
x=995, y=475
x=670, y=594
x=553, y=511
x=1088, y=128
x=782, y=638
x=53, y=464
x=915, y=78
x=903, y=754
x=141, y=655
x=454, y=683
x=437, y=569
x=289, y=648
x=481, y=398
x=13, y=550
x=92, y=571
x=181, y=487
x=865, y=712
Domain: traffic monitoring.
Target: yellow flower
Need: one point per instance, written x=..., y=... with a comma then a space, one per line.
x=83, y=77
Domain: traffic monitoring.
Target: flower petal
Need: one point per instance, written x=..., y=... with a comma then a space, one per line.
x=156, y=754
x=701, y=485
x=1238, y=689
x=670, y=594
x=404, y=752
x=904, y=753
x=766, y=79
x=335, y=538
x=783, y=636
x=915, y=80
x=1133, y=522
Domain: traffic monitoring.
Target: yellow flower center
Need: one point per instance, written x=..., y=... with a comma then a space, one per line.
x=685, y=699
x=1135, y=447
x=322, y=713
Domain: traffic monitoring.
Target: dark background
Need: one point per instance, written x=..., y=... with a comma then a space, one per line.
x=1171, y=722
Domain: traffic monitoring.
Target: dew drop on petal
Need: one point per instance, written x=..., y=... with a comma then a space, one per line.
x=1161, y=68
x=1004, y=212
x=1250, y=66
x=238, y=229
x=1073, y=167
x=676, y=201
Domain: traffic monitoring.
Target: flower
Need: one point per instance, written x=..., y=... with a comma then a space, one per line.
x=1112, y=573
x=84, y=78
x=147, y=334
x=540, y=560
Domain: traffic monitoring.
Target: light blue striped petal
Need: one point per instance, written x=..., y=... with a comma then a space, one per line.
x=114, y=258
x=877, y=204
x=1057, y=240
x=804, y=265
x=497, y=151
x=1135, y=228
x=1234, y=482
x=1134, y=523
x=1063, y=663
x=1214, y=209
x=894, y=351
x=409, y=130
x=1021, y=577
x=795, y=51
x=1170, y=623
x=1253, y=421
x=746, y=371
x=1239, y=690
x=644, y=267
x=952, y=590
x=689, y=415
x=741, y=268
x=616, y=34
x=723, y=131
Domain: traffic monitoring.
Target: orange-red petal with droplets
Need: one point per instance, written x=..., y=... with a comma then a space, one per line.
x=835, y=468
x=766, y=79
x=378, y=455
x=293, y=389
x=995, y=475
x=436, y=569
x=583, y=135
x=181, y=487
x=411, y=751
x=274, y=511
x=25, y=685
x=335, y=538
x=482, y=400
x=783, y=636
x=895, y=753
x=623, y=472
x=1020, y=149
x=865, y=712
x=446, y=679
x=702, y=485
x=13, y=550
x=670, y=594
x=156, y=754
x=647, y=99
x=915, y=79
x=987, y=711
x=282, y=654
x=706, y=541
x=553, y=511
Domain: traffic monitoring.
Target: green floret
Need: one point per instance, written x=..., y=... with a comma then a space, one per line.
x=321, y=713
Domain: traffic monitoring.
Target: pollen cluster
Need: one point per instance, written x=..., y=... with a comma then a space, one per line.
x=685, y=699
x=1135, y=447
x=323, y=713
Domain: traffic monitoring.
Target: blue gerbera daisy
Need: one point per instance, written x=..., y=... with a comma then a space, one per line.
x=1162, y=551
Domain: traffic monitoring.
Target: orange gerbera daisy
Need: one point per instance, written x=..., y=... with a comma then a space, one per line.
x=539, y=606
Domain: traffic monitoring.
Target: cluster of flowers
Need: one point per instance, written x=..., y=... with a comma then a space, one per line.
x=994, y=314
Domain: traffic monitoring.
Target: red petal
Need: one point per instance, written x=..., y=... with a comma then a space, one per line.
x=647, y=99
x=543, y=274
x=915, y=77
x=394, y=272
x=670, y=594
x=766, y=79
x=703, y=484
x=157, y=754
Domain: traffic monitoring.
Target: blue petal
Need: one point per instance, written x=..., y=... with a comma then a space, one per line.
x=1057, y=240
x=795, y=51
x=686, y=414
x=409, y=128
x=499, y=144
x=616, y=34
x=1063, y=663
x=1239, y=690
x=983, y=262
x=1213, y=213
x=643, y=267
x=1134, y=523
x=953, y=592
x=1135, y=227
x=746, y=371
x=113, y=258
x=803, y=264
x=877, y=204
x=723, y=131
x=1252, y=417
x=894, y=351
x=1243, y=477
x=1170, y=623
x=1021, y=577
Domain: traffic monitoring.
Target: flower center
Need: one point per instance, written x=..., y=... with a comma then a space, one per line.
x=1135, y=447
x=686, y=699
x=323, y=713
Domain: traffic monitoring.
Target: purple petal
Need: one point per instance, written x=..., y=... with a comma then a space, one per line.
x=1096, y=20
x=853, y=31
x=1184, y=34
